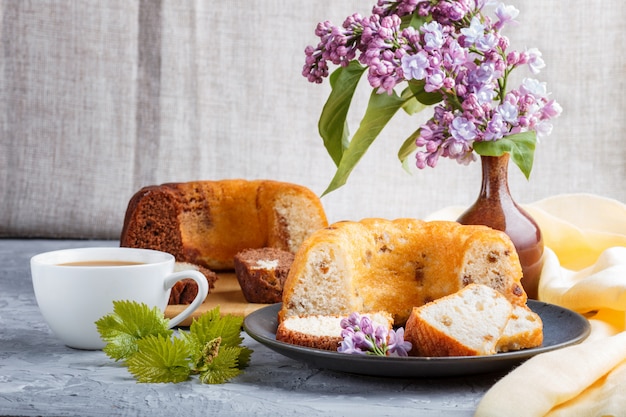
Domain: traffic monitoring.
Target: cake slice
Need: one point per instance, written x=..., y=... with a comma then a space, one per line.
x=469, y=322
x=185, y=291
x=321, y=331
x=523, y=330
x=262, y=273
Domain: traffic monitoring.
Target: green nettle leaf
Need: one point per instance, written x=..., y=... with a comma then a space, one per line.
x=332, y=123
x=130, y=322
x=380, y=110
x=223, y=367
x=140, y=335
x=521, y=147
x=160, y=359
x=244, y=357
x=211, y=326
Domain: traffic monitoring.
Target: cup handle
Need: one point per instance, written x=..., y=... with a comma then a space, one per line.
x=203, y=290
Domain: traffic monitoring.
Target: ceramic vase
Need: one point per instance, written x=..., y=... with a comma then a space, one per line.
x=496, y=208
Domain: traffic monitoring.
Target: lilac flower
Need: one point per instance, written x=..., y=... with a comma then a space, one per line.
x=483, y=74
x=433, y=36
x=443, y=11
x=361, y=336
x=435, y=80
x=381, y=335
x=463, y=129
x=397, y=344
x=414, y=66
x=462, y=57
x=509, y=112
x=401, y=7
x=474, y=32
x=487, y=42
x=348, y=345
x=455, y=55
x=534, y=87
x=362, y=341
x=550, y=110
x=505, y=14
x=366, y=325
x=543, y=128
x=486, y=94
x=534, y=60
x=455, y=148
x=350, y=322
x=496, y=127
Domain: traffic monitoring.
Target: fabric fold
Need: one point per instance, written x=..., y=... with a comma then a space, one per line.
x=585, y=271
x=556, y=378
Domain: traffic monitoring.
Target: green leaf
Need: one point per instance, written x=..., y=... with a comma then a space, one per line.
x=521, y=147
x=424, y=97
x=211, y=325
x=332, y=123
x=223, y=367
x=160, y=359
x=380, y=110
x=141, y=336
x=407, y=149
x=129, y=322
x=413, y=20
x=411, y=105
x=245, y=355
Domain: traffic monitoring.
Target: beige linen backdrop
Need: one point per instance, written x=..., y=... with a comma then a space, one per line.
x=99, y=98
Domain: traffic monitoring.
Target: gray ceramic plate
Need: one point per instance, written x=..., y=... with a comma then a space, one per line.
x=562, y=327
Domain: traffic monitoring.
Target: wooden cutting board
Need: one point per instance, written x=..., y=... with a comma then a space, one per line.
x=226, y=294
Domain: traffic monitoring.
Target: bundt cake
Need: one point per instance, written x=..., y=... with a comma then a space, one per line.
x=208, y=222
x=395, y=265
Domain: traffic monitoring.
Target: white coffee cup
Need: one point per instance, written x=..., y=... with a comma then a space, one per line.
x=73, y=297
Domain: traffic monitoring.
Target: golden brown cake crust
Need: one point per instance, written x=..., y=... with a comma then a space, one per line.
x=208, y=222
x=468, y=322
x=526, y=331
x=303, y=339
x=322, y=332
x=429, y=341
x=394, y=265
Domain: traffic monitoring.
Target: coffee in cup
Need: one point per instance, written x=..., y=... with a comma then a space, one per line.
x=76, y=287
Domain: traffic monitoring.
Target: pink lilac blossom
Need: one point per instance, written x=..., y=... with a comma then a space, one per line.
x=400, y=8
x=361, y=336
x=459, y=54
x=505, y=14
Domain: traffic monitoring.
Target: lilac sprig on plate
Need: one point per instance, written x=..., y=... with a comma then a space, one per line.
x=364, y=337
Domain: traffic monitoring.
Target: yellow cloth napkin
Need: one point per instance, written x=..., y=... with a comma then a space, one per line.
x=584, y=270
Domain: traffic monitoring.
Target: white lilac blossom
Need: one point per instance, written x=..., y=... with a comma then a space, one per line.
x=457, y=54
x=363, y=337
